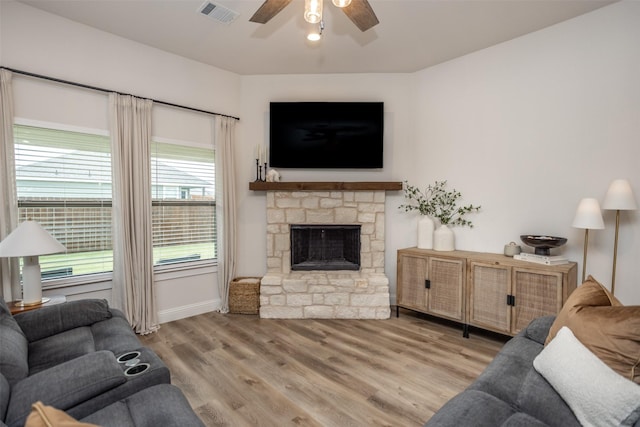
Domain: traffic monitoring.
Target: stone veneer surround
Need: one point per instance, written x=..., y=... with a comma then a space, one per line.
x=360, y=294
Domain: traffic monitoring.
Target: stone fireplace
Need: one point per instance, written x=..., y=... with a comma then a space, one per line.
x=351, y=288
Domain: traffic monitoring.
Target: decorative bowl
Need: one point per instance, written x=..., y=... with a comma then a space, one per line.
x=542, y=244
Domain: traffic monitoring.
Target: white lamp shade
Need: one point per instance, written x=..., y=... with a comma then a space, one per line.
x=29, y=239
x=588, y=215
x=620, y=196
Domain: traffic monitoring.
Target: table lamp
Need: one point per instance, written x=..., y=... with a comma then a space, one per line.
x=29, y=240
x=619, y=198
x=588, y=216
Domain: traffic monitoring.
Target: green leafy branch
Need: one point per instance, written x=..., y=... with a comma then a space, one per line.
x=439, y=203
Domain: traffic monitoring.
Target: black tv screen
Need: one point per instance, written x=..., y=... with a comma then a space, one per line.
x=345, y=135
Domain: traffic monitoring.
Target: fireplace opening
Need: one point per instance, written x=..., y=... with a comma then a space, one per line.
x=325, y=247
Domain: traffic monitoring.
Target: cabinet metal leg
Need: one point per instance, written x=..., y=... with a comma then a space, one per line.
x=465, y=331
x=397, y=311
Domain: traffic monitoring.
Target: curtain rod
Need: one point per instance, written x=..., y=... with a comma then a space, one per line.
x=53, y=79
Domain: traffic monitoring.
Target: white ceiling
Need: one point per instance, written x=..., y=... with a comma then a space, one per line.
x=412, y=34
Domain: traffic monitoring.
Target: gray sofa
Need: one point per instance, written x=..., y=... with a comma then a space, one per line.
x=510, y=392
x=68, y=356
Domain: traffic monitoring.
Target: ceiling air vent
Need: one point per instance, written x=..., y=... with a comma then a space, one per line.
x=218, y=12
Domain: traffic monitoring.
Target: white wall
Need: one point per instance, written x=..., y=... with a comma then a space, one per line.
x=526, y=129
x=529, y=127
x=42, y=43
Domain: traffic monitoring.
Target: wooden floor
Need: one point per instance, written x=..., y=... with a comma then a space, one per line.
x=240, y=370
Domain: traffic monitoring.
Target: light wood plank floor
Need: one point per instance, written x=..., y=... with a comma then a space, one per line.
x=240, y=370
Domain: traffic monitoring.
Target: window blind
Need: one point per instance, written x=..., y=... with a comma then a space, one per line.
x=183, y=198
x=63, y=181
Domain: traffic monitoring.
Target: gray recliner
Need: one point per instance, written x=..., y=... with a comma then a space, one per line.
x=67, y=356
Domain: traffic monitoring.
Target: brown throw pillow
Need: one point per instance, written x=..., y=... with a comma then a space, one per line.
x=48, y=416
x=606, y=327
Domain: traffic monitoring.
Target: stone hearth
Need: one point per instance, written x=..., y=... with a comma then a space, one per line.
x=342, y=294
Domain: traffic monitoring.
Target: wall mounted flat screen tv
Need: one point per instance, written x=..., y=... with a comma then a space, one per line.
x=330, y=135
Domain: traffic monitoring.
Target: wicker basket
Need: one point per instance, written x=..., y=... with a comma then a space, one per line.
x=244, y=295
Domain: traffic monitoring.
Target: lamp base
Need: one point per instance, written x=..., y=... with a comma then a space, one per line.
x=21, y=303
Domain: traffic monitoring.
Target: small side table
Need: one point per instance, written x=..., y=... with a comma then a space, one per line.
x=15, y=307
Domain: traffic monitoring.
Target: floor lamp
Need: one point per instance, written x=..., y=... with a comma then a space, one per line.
x=29, y=240
x=589, y=217
x=619, y=198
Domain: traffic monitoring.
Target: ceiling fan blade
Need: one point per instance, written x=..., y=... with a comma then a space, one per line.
x=361, y=13
x=268, y=10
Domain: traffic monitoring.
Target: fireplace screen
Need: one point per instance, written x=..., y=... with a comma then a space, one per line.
x=325, y=247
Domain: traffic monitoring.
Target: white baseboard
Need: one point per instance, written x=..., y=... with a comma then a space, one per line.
x=184, y=311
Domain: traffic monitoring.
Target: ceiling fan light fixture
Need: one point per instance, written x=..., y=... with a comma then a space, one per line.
x=341, y=3
x=315, y=36
x=313, y=11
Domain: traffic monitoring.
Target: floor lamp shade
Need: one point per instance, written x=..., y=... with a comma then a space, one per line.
x=619, y=197
x=29, y=240
x=588, y=216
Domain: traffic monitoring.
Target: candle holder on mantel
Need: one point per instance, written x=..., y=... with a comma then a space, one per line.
x=258, y=171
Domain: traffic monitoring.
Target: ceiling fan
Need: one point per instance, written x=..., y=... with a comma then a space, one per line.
x=359, y=11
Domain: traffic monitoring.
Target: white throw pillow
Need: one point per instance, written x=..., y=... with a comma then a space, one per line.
x=597, y=395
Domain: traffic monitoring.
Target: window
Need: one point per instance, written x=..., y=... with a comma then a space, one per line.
x=183, y=193
x=63, y=181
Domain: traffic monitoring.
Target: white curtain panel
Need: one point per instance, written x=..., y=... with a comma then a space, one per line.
x=9, y=267
x=133, y=287
x=225, y=206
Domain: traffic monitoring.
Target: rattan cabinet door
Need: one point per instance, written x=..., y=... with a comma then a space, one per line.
x=446, y=277
x=412, y=273
x=536, y=294
x=489, y=286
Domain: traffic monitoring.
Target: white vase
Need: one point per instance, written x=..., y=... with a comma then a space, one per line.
x=425, y=232
x=443, y=238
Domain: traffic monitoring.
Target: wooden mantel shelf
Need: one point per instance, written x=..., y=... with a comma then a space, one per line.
x=326, y=186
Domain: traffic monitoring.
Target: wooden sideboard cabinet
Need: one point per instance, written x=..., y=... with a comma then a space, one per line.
x=488, y=291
